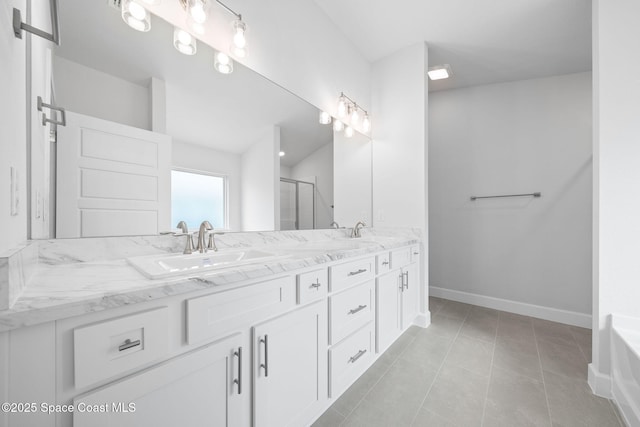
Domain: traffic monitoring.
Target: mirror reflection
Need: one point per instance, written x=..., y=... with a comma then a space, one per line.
x=155, y=137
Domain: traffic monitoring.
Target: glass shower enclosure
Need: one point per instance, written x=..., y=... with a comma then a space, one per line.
x=297, y=205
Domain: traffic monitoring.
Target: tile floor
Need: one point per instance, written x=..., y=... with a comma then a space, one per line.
x=477, y=367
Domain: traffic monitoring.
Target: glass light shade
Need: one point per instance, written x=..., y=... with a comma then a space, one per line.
x=223, y=63
x=338, y=125
x=198, y=10
x=184, y=42
x=355, y=115
x=238, y=52
x=342, y=106
x=151, y=2
x=348, y=132
x=239, y=33
x=325, y=118
x=135, y=15
x=366, y=123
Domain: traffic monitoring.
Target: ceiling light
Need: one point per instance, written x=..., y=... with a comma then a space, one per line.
x=184, y=42
x=135, y=15
x=440, y=72
x=348, y=132
x=325, y=118
x=281, y=154
x=223, y=63
x=338, y=125
x=366, y=123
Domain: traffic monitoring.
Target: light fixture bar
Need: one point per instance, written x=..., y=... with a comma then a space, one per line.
x=228, y=9
x=355, y=104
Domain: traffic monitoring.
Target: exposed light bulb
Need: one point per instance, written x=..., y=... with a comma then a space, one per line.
x=325, y=118
x=355, y=116
x=342, y=106
x=184, y=42
x=135, y=15
x=197, y=11
x=348, y=132
x=366, y=123
x=338, y=126
x=223, y=63
x=239, y=36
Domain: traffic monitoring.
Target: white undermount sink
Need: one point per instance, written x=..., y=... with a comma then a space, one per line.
x=159, y=266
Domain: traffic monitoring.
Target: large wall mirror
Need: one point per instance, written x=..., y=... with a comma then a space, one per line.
x=154, y=137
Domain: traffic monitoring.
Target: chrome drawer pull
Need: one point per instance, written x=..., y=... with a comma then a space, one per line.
x=405, y=275
x=316, y=285
x=357, y=356
x=128, y=344
x=238, y=381
x=355, y=310
x=385, y=263
x=416, y=253
x=265, y=365
x=353, y=273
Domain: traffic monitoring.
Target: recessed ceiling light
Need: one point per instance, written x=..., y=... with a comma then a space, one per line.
x=281, y=154
x=440, y=72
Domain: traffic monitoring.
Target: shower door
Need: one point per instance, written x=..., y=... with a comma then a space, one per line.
x=297, y=205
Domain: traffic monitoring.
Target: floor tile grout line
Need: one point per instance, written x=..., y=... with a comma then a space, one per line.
x=444, y=360
x=544, y=382
x=380, y=378
x=586, y=358
x=493, y=355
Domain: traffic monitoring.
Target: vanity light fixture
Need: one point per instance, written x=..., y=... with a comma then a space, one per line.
x=348, y=107
x=348, y=132
x=223, y=63
x=354, y=114
x=325, y=118
x=184, y=42
x=342, y=106
x=239, y=45
x=338, y=126
x=439, y=72
x=366, y=123
x=135, y=15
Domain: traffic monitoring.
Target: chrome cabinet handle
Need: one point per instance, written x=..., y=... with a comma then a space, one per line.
x=353, y=273
x=357, y=356
x=401, y=280
x=405, y=279
x=416, y=253
x=316, y=285
x=128, y=344
x=385, y=263
x=355, y=310
x=238, y=381
x=265, y=365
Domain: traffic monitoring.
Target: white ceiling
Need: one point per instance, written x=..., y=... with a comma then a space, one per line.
x=483, y=41
x=224, y=112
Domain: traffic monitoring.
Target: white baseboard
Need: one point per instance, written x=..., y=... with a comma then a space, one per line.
x=541, y=312
x=600, y=383
x=423, y=320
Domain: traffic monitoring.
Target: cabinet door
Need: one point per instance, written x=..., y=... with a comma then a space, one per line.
x=388, y=301
x=410, y=295
x=194, y=389
x=290, y=367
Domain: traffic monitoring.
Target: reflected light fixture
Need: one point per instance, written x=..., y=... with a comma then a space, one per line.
x=281, y=154
x=439, y=72
x=338, y=125
x=223, y=63
x=184, y=42
x=325, y=118
x=348, y=132
x=135, y=15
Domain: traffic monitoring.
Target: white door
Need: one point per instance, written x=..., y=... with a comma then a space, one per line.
x=195, y=389
x=111, y=179
x=410, y=295
x=290, y=367
x=388, y=301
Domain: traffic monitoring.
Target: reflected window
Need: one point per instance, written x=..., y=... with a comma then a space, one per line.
x=196, y=197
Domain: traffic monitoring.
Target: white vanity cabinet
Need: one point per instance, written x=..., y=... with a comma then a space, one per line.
x=290, y=367
x=194, y=389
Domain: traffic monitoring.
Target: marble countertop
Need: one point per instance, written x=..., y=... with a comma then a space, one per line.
x=68, y=285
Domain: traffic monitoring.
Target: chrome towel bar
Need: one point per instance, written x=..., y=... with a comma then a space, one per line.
x=538, y=194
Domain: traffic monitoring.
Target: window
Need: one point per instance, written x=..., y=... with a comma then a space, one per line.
x=196, y=197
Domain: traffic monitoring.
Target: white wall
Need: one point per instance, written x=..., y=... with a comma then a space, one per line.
x=199, y=158
x=260, y=180
x=399, y=133
x=512, y=138
x=91, y=92
x=351, y=179
x=13, y=137
x=616, y=206
x=319, y=164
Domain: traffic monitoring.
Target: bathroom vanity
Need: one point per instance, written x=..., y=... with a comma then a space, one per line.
x=272, y=343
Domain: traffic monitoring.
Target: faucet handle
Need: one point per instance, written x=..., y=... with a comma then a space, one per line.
x=188, y=249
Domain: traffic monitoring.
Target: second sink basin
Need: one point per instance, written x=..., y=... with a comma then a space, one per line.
x=158, y=266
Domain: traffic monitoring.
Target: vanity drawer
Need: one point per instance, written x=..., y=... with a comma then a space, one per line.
x=216, y=315
x=415, y=253
x=349, y=359
x=349, y=311
x=312, y=285
x=349, y=273
x=383, y=263
x=109, y=348
x=400, y=257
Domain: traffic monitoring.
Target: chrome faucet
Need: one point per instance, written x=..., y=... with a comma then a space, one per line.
x=334, y=225
x=188, y=249
x=204, y=227
x=356, y=229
